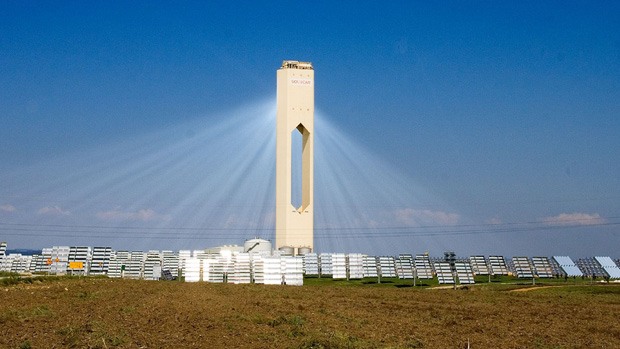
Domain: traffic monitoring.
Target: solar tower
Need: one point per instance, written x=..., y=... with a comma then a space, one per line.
x=295, y=113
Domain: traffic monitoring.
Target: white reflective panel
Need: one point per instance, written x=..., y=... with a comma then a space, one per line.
x=116, y=267
x=36, y=260
x=6, y=262
x=258, y=269
x=16, y=263
x=311, y=264
x=356, y=265
x=325, y=264
x=542, y=267
x=444, y=273
x=192, y=270
x=213, y=270
x=100, y=261
x=423, y=266
x=522, y=267
x=29, y=263
x=134, y=267
x=605, y=262
x=568, y=266
x=272, y=271
x=81, y=255
x=183, y=256
x=404, y=267
x=339, y=266
x=609, y=266
x=171, y=263
x=59, y=260
x=152, y=265
x=370, y=266
x=152, y=270
x=479, y=265
x=498, y=265
x=46, y=259
x=292, y=270
x=387, y=267
x=464, y=273
x=564, y=260
x=241, y=269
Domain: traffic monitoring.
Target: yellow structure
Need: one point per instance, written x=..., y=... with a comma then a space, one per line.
x=295, y=113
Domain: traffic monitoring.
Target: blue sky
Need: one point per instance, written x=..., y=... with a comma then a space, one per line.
x=480, y=127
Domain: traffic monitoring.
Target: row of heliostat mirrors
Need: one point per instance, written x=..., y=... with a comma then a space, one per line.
x=252, y=268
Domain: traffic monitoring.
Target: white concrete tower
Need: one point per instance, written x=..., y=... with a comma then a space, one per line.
x=295, y=113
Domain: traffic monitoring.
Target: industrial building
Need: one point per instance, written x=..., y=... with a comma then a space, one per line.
x=295, y=115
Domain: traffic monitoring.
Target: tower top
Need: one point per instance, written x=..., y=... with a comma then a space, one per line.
x=296, y=65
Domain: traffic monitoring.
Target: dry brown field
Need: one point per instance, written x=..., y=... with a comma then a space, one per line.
x=109, y=313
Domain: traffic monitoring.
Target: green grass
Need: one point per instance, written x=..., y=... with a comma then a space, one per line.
x=341, y=340
x=498, y=282
x=603, y=289
x=17, y=279
x=366, y=282
x=26, y=315
x=6, y=274
x=506, y=282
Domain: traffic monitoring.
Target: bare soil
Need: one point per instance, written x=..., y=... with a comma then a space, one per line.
x=108, y=313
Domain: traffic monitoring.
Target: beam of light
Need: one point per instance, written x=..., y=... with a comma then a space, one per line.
x=358, y=193
x=214, y=172
x=211, y=181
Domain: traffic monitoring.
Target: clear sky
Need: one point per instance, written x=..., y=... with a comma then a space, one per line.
x=485, y=127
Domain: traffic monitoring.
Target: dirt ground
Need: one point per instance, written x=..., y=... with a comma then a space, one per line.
x=107, y=313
